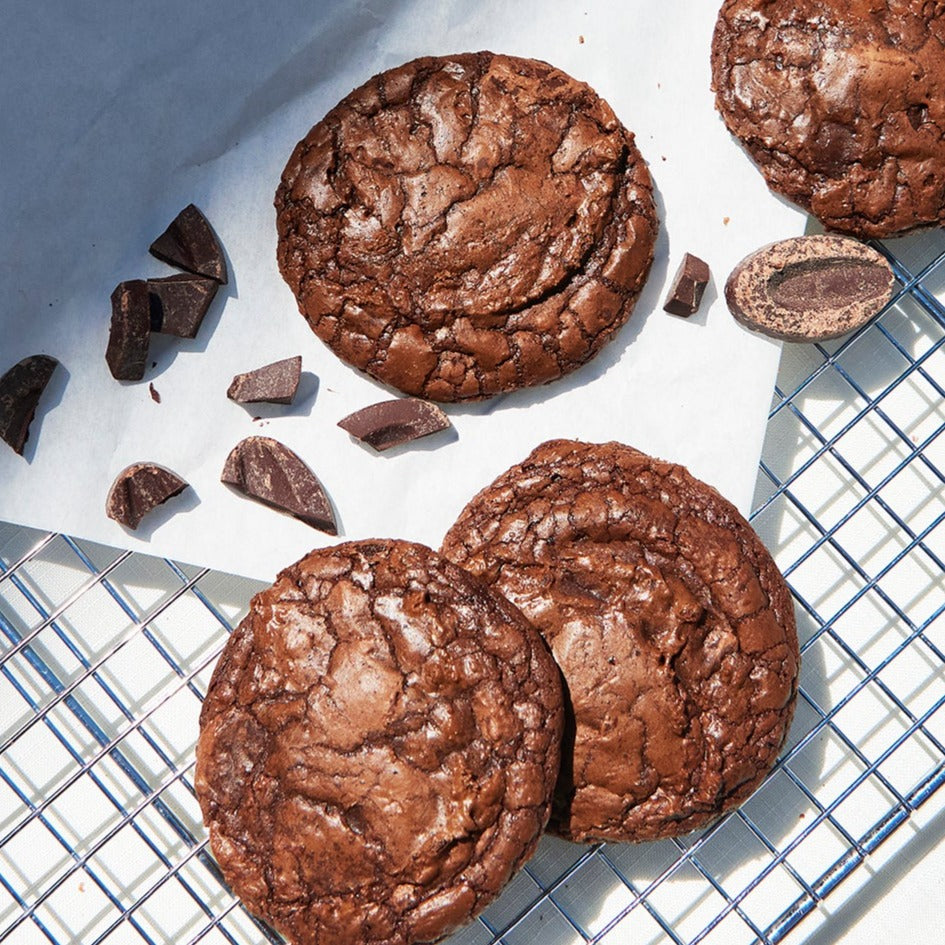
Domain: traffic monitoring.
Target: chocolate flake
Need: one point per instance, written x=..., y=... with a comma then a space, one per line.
x=265, y=470
x=179, y=303
x=129, y=333
x=274, y=383
x=155, y=396
x=190, y=243
x=685, y=294
x=393, y=422
x=138, y=489
x=20, y=390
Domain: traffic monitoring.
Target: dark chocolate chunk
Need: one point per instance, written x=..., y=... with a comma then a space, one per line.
x=20, y=390
x=138, y=489
x=274, y=383
x=685, y=294
x=393, y=422
x=810, y=288
x=265, y=470
x=179, y=303
x=190, y=243
x=130, y=330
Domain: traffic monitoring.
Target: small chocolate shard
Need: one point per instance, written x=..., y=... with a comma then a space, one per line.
x=810, y=288
x=274, y=383
x=190, y=243
x=153, y=391
x=178, y=304
x=130, y=330
x=689, y=284
x=138, y=489
x=393, y=422
x=20, y=390
x=267, y=471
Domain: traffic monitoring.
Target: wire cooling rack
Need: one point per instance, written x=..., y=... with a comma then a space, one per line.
x=104, y=657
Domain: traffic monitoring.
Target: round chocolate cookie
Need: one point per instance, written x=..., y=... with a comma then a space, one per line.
x=378, y=747
x=466, y=225
x=670, y=621
x=842, y=105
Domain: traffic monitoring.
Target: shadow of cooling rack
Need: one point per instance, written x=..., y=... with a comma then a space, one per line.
x=104, y=657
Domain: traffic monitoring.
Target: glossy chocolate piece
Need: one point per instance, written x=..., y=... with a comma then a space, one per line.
x=179, y=303
x=138, y=489
x=275, y=383
x=394, y=422
x=810, y=288
x=20, y=390
x=130, y=331
x=190, y=243
x=269, y=472
x=689, y=284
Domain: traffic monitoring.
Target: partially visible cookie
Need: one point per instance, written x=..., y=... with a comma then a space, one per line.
x=378, y=747
x=466, y=225
x=841, y=103
x=670, y=621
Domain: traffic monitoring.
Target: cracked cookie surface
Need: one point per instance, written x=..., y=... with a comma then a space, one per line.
x=671, y=624
x=841, y=103
x=466, y=225
x=378, y=747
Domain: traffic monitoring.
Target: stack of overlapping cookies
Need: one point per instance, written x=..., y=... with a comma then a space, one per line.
x=602, y=645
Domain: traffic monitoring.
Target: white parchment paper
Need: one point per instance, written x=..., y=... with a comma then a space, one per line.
x=117, y=115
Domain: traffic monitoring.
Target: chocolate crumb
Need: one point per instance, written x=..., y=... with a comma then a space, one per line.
x=138, y=489
x=394, y=422
x=20, y=390
x=269, y=472
x=155, y=396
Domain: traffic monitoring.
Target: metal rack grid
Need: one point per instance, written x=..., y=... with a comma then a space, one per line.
x=105, y=656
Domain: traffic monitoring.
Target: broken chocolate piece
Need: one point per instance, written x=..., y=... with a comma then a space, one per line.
x=265, y=470
x=393, y=422
x=274, y=383
x=179, y=303
x=685, y=294
x=20, y=390
x=129, y=334
x=138, y=489
x=190, y=243
x=810, y=288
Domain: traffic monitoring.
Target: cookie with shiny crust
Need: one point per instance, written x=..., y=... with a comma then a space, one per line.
x=841, y=103
x=466, y=225
x=378, y=747
x=670, y=621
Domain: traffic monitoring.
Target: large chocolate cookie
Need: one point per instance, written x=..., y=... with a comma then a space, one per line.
x=671, y=623
x=842, y=105
x=378, y=747
x=466, y=225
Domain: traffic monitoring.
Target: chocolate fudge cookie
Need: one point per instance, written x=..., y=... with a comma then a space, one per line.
x=466, y=225
x=842, y=105
x=671, y=623
x=378, y=747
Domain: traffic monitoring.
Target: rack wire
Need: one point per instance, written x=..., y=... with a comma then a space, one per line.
x=105, y=656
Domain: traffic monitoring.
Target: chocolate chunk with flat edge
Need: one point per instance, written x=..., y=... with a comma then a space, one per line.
x=274, y=383
x=20, y=390
x=265, y=470
x=810, y=288
x=393, y=422
x=130, y=330
x=179, y=303
x=190, y=243
x=689, y=284
x=138, y=489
